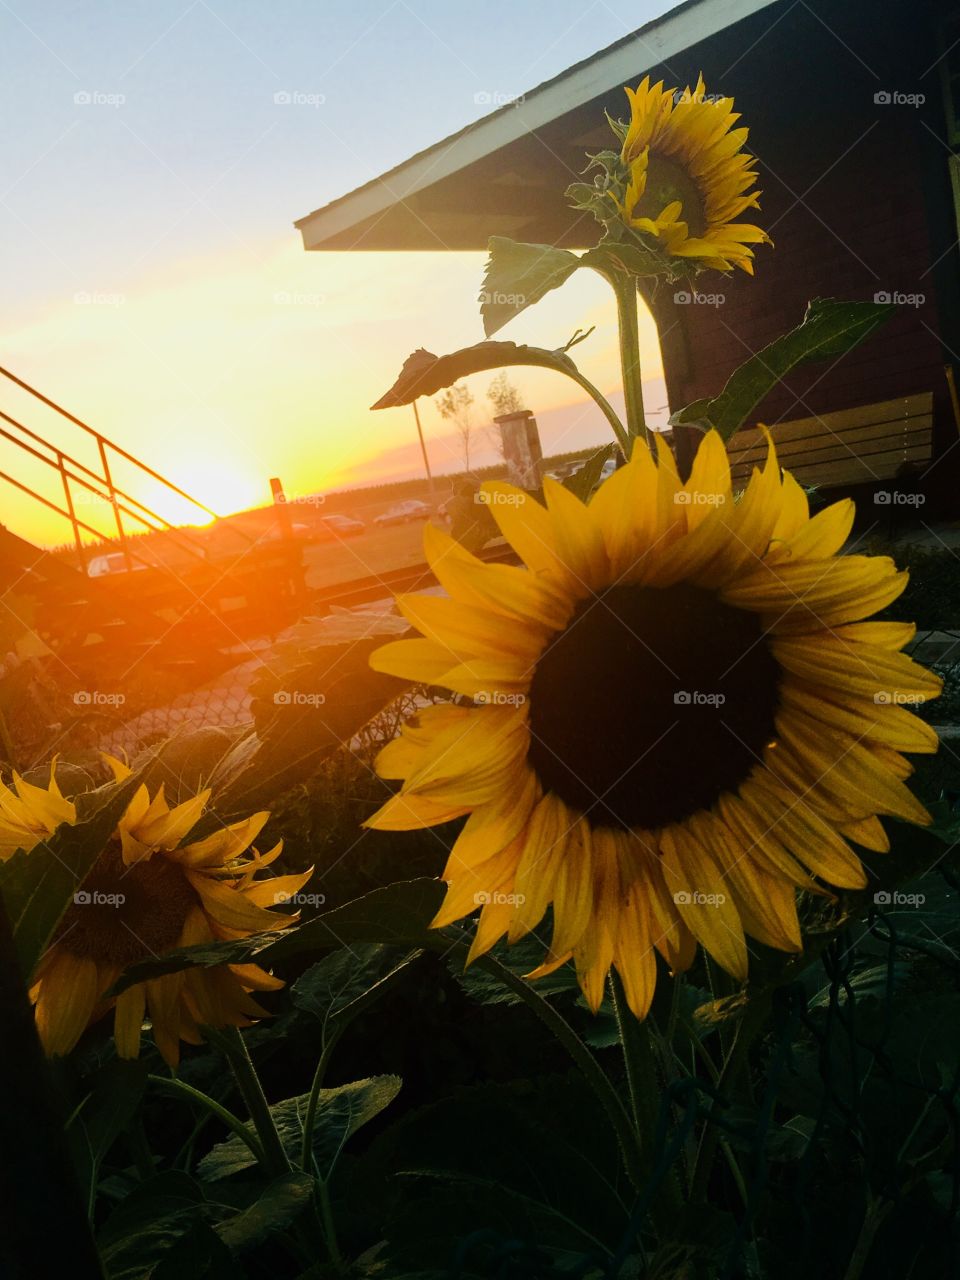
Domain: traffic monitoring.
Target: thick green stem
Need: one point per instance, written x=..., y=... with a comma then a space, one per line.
x=644, y=1088
x=274, y=1157
x=623, y=437
x=593, y=1073
x=625, y=289
x=234, y=1123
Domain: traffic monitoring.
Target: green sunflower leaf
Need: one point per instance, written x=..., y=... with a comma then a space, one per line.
x=586, y=478
x=37, y=887
x=517, y=276
x=340, y=1113
x=282, y=1201
x=396, y=915
x=423, y=373
x=829, y=329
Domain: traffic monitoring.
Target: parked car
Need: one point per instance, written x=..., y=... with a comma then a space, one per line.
x=341, y=526
x=115, y=562
x=403, y=513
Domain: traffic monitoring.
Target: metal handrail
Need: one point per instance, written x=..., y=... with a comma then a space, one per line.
x=109, y=491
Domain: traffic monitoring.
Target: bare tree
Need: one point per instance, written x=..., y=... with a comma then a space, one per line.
x=456, y=406
x=505, y=398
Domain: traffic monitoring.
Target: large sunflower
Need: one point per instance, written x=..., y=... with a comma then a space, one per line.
x=688, y=177
x=679, y=717
x=147, y=894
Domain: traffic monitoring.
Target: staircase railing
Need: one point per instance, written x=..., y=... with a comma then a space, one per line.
x=73, y=471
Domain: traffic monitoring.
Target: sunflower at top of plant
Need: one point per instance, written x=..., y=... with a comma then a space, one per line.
x=147, y=894
x=679, y=717
x=680, y=181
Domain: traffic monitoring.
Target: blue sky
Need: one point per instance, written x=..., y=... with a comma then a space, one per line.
x=147, y=151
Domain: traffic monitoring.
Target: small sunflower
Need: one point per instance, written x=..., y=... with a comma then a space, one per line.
x=679, y=717
x=147, y=894
x=28, y=814
x=688, y=177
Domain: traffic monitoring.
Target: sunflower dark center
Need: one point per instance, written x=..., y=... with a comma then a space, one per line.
x=650, y=704
x=124, y=914
x=668, y=181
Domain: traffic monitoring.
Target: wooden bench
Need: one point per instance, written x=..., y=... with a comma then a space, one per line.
x=866, y=445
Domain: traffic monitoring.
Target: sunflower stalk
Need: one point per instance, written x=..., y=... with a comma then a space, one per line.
x=593, y=1073
x=214, y=1108
x=625, y=290
x=644, y=1088
x=274, y=1158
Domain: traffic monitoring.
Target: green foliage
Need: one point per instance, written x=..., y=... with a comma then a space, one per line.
x=829, y=329
x=38, y=887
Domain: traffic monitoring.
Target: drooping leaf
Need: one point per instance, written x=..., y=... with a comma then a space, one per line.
x=423, y=373
x=829, y=329
x=146, y=1226
x=396, y=915
x=345, y=979
x=37, y=887
x=518, y=275
x=115, y=1094
x=586, y=478
x=340, y=1113
x=281, y=1203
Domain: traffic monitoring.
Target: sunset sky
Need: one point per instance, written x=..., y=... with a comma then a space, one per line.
x=153, y=282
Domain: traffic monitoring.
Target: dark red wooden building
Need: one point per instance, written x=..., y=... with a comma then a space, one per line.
x=853, y=108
